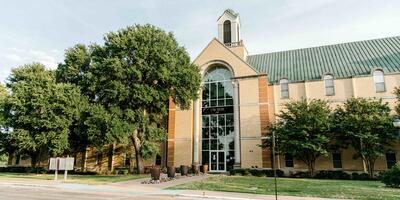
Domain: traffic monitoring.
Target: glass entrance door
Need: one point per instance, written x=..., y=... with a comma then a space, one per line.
x=217, y=161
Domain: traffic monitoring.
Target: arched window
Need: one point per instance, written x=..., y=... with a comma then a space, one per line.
x=227, y=32
x=329, y=86
x=218, y=88
x=284, y=88
x=218, y=131
x=379, y=80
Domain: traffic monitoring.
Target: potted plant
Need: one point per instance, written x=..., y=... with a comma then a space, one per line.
x=155, y=173
x=171, y=171
x=195, y=169
x=205, y=168
x=184, y=170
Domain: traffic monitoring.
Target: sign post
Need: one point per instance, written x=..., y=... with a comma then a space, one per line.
x=57, y=164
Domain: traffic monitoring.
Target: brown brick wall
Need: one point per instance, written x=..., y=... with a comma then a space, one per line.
x=171, y=133
x=264, y=117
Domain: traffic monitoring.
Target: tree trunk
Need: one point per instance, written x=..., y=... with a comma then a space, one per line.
x=370, y=166
x=33, y=159
x=83, y=159
x=111, y=157
x=137, y=145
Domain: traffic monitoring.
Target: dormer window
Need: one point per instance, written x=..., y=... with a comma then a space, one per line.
x=227, y=32
x=329, y=85
x=284, y=83
x=379, y=80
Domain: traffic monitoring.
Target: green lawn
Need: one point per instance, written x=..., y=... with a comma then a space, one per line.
x=296, y=187
x=85, y=179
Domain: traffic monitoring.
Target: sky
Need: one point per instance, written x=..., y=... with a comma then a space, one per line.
x=41, y=30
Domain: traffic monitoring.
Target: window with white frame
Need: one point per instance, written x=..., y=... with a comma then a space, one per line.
x=284, y=83
x=329, y=86
x=379, y=80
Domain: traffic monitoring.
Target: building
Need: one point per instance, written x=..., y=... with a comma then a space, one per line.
x=242, y=93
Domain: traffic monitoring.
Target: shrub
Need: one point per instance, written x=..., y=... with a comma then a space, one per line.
x=391, y=177
x=257, y=172
x=327, y=174
x=361, y=177
x=270, y=172
x=301, y=175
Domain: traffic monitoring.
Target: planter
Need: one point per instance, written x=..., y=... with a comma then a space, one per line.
x=195, y=169
x=205, y=168
x=184, y=170
x=171, y=171
x=155, y=173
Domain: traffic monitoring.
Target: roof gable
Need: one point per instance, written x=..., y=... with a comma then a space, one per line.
x=216, y=51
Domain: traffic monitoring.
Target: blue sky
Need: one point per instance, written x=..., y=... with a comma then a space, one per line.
x=40, y=30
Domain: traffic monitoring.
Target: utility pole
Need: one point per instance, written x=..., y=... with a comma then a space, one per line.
x=274, y=165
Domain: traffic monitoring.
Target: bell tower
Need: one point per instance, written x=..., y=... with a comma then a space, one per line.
x=229, y=28
x=229, y=33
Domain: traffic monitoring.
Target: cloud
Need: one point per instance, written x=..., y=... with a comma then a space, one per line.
x=18, y=56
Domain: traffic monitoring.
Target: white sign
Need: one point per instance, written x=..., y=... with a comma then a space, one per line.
x=61, y=163
x=53, y=164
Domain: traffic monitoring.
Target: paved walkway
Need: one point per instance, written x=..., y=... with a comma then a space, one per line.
x=123, y=190
x=162, y=185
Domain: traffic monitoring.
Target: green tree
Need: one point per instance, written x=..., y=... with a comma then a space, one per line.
x=367, y=126
x=40, y=111
x=6, y=144
x=302, y=130
x=134, y=73
x=397, y=93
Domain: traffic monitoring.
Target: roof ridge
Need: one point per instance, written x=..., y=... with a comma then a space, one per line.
x=327, y=45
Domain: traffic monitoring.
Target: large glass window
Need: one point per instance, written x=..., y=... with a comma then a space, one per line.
x=218, y=88
x=284, y=83
x=379, y=80
x=329, y=86
x=217, y=120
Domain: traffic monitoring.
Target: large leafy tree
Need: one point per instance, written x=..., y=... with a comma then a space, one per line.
x=134, y=73
x=303, y=130
x=40, y=111
x=367, y=126
x=6, y=143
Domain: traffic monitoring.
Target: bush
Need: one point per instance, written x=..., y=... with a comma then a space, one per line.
x=38, y=170
x=327, y=174
x=301, y=175
x=361, y=177
x=270, y=172
x=257, y=172
x=391, y=177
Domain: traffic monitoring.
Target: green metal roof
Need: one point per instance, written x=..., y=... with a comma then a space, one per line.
x=340, y=60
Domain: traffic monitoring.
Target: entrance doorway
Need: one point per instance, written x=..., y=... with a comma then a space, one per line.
x=217, y=161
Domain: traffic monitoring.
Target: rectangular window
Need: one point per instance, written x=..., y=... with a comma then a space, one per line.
x=337, y=160
x=17, y=159
x=289, y=160
x=390, y=160
x=329, y=87
x=284, y=83
x=127, y=160
x=380, y=87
